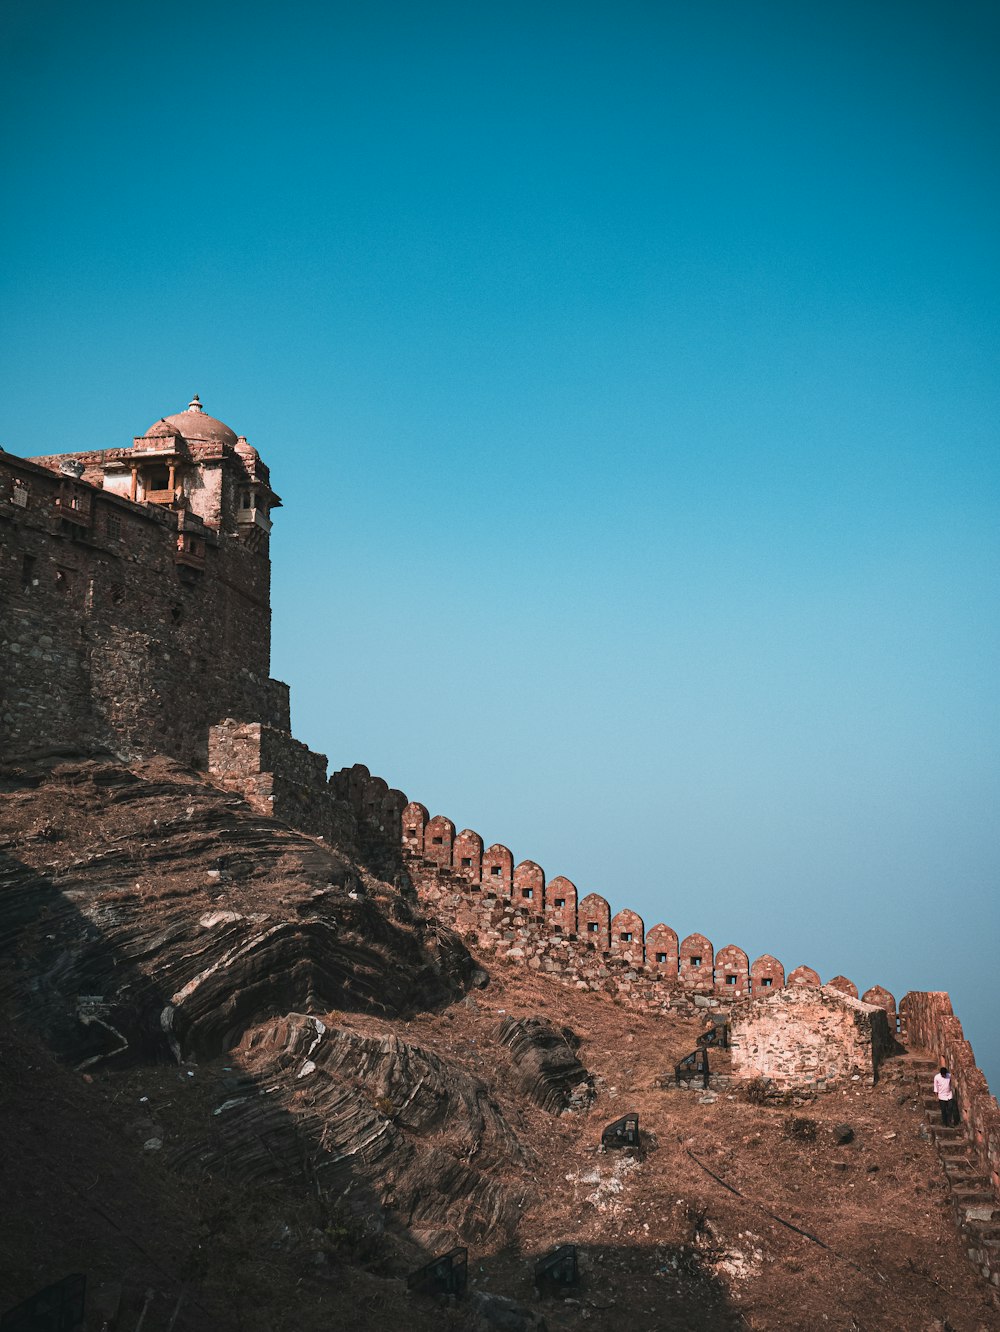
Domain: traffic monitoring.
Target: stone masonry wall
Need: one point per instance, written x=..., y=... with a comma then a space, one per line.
x=929, y=1022
x=808, y=1039
x=378, y=812
x=512, y=910
x=276, y=774
x=123, y=626
x=281, y=777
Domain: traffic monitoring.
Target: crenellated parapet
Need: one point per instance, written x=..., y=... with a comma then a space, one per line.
x=529, y=885
x=767, y=973
x=877, y=994
x=283, y=778
x=415, y=820
x=628, y=936
x=803, y=976
x=514, y=910
x=595, y=923
x=560, y=906
x=662, y=950
x=501, y=904
x=498, y=870
x=697, y=962
x=844, y=985
x=467, y=856
x=510, y=908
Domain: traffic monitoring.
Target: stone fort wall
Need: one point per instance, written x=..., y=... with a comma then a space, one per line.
x=515, y=912
x=281, y=777
x=809, y=1038
x=142, y=628
x=124, y=626
x=507, y=909
x=929, y=1022
x=139, y=628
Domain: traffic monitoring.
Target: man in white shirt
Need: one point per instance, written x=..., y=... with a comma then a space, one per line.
x=946, y=1097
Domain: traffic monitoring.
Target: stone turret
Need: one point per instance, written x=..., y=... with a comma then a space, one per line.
x=138, y=585
x=193, y=463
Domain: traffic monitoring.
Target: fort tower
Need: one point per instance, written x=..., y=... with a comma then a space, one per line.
x=135, y=593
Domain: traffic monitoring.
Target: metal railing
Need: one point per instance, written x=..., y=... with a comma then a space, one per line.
x=557, y=1271
x=622, y=1132
x=447, y=1275
x=693, y=1066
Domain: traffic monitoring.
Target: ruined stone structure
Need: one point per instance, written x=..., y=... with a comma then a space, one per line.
x=809, y=1038
x=280, y=776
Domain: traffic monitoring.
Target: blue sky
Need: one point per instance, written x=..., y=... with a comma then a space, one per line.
x=629, y=373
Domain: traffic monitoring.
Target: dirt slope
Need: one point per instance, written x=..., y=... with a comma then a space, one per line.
x=238, y=1068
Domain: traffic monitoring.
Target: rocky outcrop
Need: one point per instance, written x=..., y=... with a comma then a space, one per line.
x=145, y=914
x=392, y=1126
x=548, y=1070
x=143, y=910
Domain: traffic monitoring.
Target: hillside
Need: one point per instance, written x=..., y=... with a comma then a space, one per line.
x=242, y=1072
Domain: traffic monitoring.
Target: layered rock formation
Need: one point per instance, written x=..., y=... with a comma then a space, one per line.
x=145, y=915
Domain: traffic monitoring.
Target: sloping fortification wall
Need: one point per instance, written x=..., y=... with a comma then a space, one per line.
x=136, y=626
x=501, y=907
x=125, y=626
x=929, y=1022
x=512, y=910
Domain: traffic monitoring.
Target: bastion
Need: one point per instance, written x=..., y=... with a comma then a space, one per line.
x=135, y=590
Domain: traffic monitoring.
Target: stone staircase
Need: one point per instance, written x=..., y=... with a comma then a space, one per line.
x=974, y=1203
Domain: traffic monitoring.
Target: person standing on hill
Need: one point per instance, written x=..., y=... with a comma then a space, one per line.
x=946, y=1097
